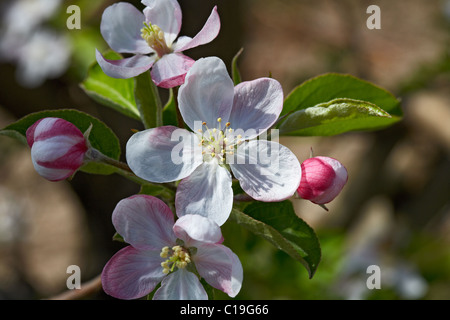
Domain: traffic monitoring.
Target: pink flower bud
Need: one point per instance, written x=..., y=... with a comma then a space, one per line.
x=57, y=148
x=322, y=179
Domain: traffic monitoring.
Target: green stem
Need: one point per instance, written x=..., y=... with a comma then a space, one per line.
x=123, y=169
x=148, y=101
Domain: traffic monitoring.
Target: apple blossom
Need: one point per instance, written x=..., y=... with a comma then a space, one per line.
x=322, y=179
x=224, y=120
x=58, y=148
x=167, y=252
x=127, y=30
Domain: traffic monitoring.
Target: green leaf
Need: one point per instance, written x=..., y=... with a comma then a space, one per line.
x=278, y=223
x=332, y=86
x=234, y=68
x=101, y=137
x=114, y=93
x=336, y=117
x=148, y=101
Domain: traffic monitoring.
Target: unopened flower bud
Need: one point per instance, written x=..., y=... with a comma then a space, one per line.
x=58, y=148
x=322, y=179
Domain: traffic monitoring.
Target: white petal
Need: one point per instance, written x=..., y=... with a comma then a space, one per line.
x=208, y=33
x=121, y=28
x=257, y=105
x=207, y=93
x=193, y=228
x=163, y=154
x=207, y=192
x=125, y=68
x=144, y=222
x=266, y=170
x=166, y=14
x=181, y=285
x=220, y=267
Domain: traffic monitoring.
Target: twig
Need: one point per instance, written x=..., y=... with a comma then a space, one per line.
x=87, y=289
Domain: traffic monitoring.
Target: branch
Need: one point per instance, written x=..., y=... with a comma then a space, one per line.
x=87, y=289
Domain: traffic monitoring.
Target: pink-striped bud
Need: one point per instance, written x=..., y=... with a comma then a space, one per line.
x=322, y=179
x=57, y=148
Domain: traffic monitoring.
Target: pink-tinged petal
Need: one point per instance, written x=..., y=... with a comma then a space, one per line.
x=121, y=28
x=57, y=148
x=322, y=179
x=208, y=33
x=193, y=228
x=256, y=107
x=125, y=68
x=266, y=170
x=181, y=42
x=171, y=69
x=181, y=285
x=144, y=222
x=207, y=93
x=52, y=174
x=163, y=154
x=50, y=127
x=207, y=192
x=220, y=267
x=166, y=14
x=132, y=273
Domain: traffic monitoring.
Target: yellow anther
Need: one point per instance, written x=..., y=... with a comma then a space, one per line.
x=213, y=154
x=230, y=130
x=219, y=119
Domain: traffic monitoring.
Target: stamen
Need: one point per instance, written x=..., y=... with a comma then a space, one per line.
x=179, y=258
x=154, y=36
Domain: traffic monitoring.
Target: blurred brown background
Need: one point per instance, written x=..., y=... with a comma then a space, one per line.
x=394, y=212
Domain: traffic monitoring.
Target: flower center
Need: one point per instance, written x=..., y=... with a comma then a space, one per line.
x=154, y=36
x=177, y=257
x=218, y=142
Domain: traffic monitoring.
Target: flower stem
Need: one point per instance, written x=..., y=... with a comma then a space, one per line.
x=123, y=169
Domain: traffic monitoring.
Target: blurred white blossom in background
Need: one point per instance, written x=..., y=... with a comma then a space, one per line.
x=39, y=52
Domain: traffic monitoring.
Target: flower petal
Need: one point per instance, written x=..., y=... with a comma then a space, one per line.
x=208, y=33
x=163, y=154
x=50, y=173
x=266, y=170
x=171, y=69
x=257, y=105
x=144, y=222
x=220, y=267
x=207, y=192
x=181, y=285
x=207, y=93
x=121, y=28
x=132, y=273
x=193, y=228
x=166, y=14
x=125, y=68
